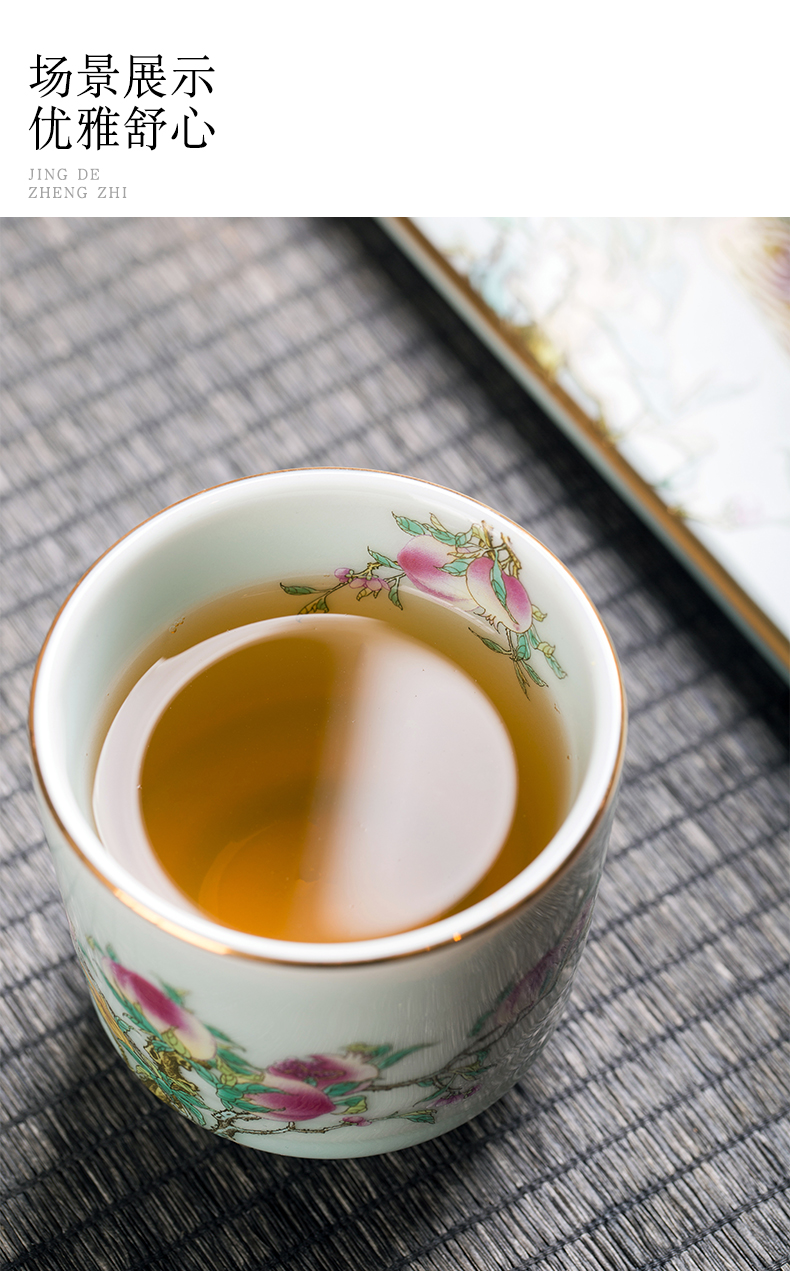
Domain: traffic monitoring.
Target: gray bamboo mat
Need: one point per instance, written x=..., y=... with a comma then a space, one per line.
x=147, y=359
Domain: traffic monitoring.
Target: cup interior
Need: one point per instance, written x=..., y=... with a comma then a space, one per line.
x=286, y=527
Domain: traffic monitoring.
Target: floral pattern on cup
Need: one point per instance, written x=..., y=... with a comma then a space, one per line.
x=472, y=570
x=202, y=1072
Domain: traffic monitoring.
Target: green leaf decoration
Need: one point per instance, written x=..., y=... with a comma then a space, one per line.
x=436, y=523
x=492, y=645
x=478, y=533
x=359, y=1106
x=522, y=647
x=145, y=1064
x=459, y=566
x=294, y=589
x=227, y=1070
x=478, y=1025
x=555, y=667
x=522, y=680
x=229, y=1057
x=362, y=1048
x=375, y=1052
x=534, y=639
x=412, y=527
x=235, y=1091
x=505, y=993
x=248, y=1106
x=444, y=536
x=424, y=1115
x=538, y=614
x=497, y=582
x=257, y=1088
x=176, y=995
x=341, y=1088
x=137, y=1017
x=319, y=606
x=393, y=596
x=538, y=681
x=381, y=559
x=221, y=1037
x=183, y=1095
x=393, y=1059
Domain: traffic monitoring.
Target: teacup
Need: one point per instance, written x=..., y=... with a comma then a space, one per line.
x=337, y=1049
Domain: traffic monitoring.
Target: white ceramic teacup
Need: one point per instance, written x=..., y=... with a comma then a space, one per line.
x=342, y=1049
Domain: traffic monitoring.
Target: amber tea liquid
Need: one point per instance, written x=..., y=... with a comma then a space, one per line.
x=350, y=776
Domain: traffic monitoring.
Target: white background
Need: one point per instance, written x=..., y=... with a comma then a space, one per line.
x=345, y=107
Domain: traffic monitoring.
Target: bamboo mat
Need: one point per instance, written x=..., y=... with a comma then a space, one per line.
x=146, y=359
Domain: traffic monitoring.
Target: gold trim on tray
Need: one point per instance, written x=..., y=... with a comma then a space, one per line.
x=510, y=344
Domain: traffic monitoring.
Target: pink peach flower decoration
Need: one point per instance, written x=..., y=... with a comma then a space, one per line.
x=516, y=613
x=161, y=1011
x=456, y=1097
x=292, y=1100
x=326, y=1070
x=423, y=559
x=298, y=1086
x=353, y=580
x=527, y=991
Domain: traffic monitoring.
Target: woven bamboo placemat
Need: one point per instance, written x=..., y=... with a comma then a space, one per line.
x=146, y=359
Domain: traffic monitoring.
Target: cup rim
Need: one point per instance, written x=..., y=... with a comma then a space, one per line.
x=192, y=928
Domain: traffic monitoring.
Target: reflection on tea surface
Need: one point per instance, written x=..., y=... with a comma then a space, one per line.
x=340, y=779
